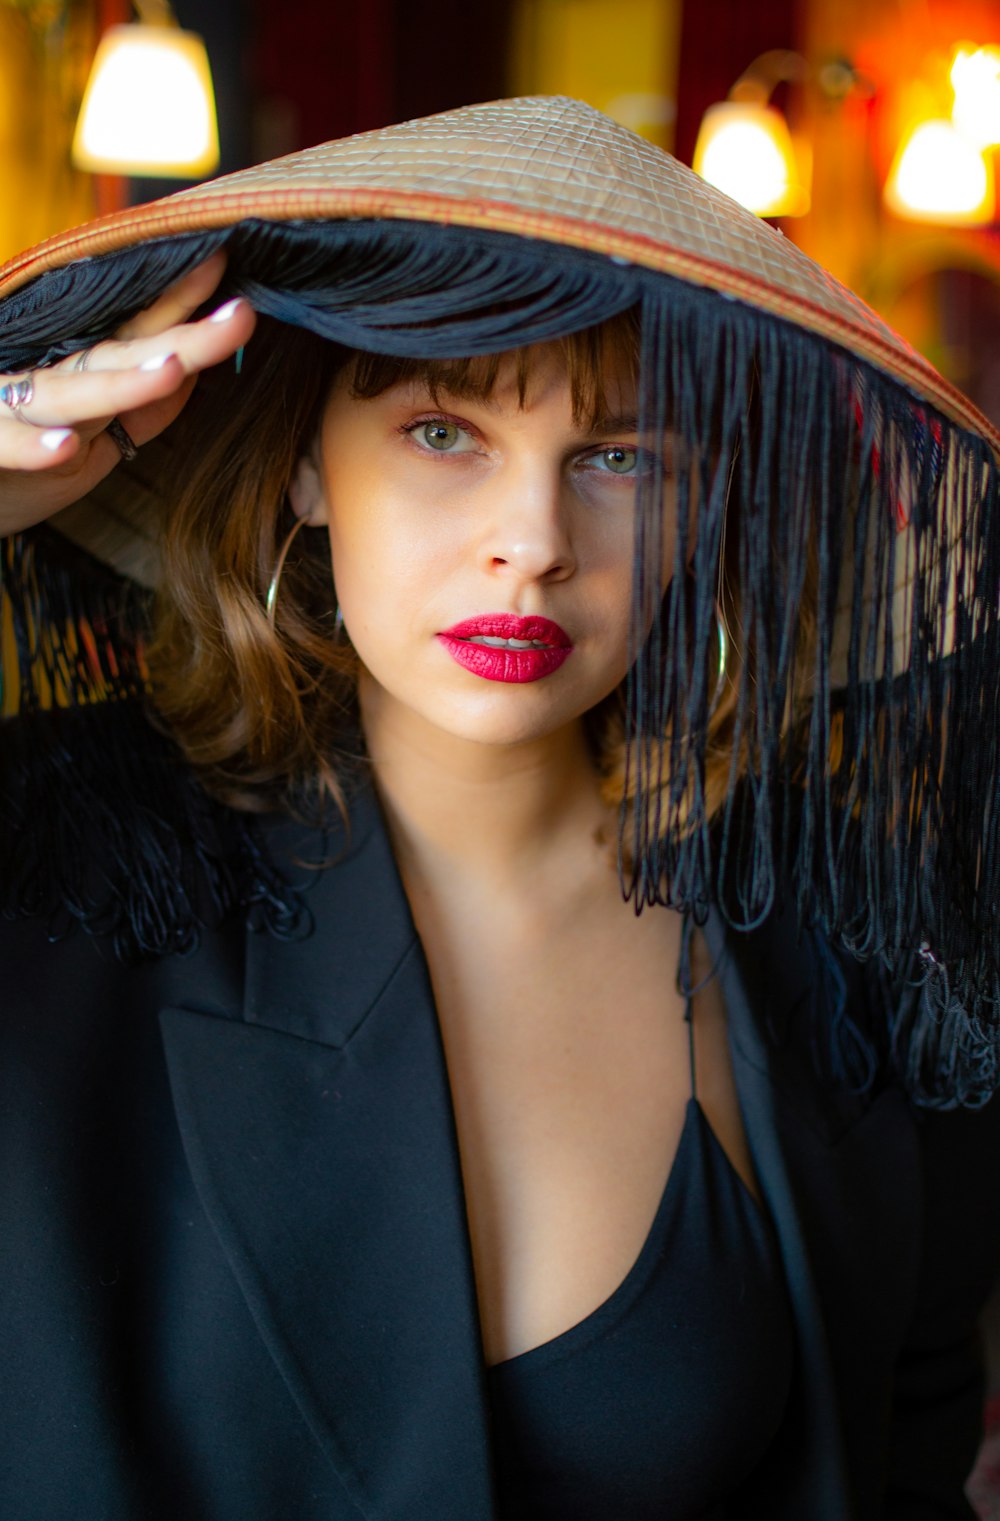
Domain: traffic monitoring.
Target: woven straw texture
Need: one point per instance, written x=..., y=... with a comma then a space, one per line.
x=546, y=168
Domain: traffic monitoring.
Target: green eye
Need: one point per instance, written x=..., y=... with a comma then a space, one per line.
x=440, y=435
x=620, y=461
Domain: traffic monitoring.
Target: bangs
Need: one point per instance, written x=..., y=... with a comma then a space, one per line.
x=599, y=361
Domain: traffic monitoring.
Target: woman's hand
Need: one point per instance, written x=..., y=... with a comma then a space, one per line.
x=54, y=447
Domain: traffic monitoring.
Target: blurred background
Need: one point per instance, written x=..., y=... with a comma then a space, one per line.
x=865, y=128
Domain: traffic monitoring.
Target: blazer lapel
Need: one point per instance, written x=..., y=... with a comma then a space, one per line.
x=807, y=1472
x=320, y=1134
x=840, y=1174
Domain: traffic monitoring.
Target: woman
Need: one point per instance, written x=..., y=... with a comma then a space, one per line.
x=459, y=1188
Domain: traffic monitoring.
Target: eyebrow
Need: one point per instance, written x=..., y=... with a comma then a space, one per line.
x=604, y=423
x=615, y=422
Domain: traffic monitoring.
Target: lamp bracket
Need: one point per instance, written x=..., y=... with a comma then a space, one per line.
x=778, y=66
x=155, y=12
x=836, y=78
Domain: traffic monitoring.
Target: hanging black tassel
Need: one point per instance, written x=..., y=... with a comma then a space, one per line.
x=103, y=827
x=872, y=804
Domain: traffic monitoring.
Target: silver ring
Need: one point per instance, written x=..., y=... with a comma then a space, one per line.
x=17, y=394
x=82, y=359
x=127, y=447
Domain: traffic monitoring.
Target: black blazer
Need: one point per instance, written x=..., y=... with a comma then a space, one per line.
x=234, y=1264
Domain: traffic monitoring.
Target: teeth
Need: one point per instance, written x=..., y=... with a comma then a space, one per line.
x=510, y=644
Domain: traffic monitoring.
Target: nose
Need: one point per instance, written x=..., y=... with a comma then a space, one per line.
x=529, y=535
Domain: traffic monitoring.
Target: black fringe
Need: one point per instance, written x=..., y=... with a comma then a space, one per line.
x=102, y=825
x=873, y=808
x=876, y=812
x=396, y=288
x=77, y=629
x=66, y=309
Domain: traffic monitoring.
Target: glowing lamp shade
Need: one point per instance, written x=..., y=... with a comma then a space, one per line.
x=746, y=150
x=149, y=107
x=940, y=175
x=975, y=75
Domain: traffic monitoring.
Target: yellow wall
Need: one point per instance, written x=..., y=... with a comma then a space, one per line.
x=617, y=55
x=44, y=54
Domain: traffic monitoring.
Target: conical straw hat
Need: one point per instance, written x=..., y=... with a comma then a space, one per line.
x=518, y=221
x=548, y=168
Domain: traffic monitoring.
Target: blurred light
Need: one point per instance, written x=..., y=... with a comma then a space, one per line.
x=149, y=107
x=745, y=149
x=975, y=77
x=940, y=175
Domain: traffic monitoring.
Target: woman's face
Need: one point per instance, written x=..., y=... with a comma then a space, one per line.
x=482, y=550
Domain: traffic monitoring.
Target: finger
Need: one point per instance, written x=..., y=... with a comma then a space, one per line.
x=39, y=482
x=37, y=448
x=178, y=301
x=43, y=470
x=62, y=399
x=198, y=345
x=146, y=422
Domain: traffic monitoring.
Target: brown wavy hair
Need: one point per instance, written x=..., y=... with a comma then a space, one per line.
x=268, y=716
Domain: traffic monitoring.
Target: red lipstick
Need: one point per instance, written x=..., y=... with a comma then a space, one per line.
x=503, y=647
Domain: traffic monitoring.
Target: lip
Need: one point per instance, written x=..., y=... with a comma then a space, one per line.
x=494, y=664
x=510, y=626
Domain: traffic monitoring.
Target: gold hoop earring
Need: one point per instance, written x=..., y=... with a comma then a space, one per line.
x=723, y=667
x=271, y=600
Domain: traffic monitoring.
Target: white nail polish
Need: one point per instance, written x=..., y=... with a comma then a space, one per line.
x=225, y=312
x=156, y=363
x=53, y=438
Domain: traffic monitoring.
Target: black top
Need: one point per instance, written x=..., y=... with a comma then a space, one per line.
x=664, y=1398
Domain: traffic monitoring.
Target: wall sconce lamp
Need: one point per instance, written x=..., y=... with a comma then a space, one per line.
x=149, y=107
x=745, y=148
x=941, y=172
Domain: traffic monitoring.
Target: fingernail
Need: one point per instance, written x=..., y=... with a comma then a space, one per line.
x=54, y=438
x=225, y=312
x=156, y=363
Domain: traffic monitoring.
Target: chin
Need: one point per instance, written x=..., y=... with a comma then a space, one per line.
x=490, y=713
x=510, y=728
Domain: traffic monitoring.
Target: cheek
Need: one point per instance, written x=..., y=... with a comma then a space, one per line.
x=386, y=584
x=615, y=560
x=669, y=535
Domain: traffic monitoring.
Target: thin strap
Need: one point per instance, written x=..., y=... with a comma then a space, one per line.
x=687, y=992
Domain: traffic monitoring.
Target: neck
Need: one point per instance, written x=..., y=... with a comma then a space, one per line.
x=511, y=816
